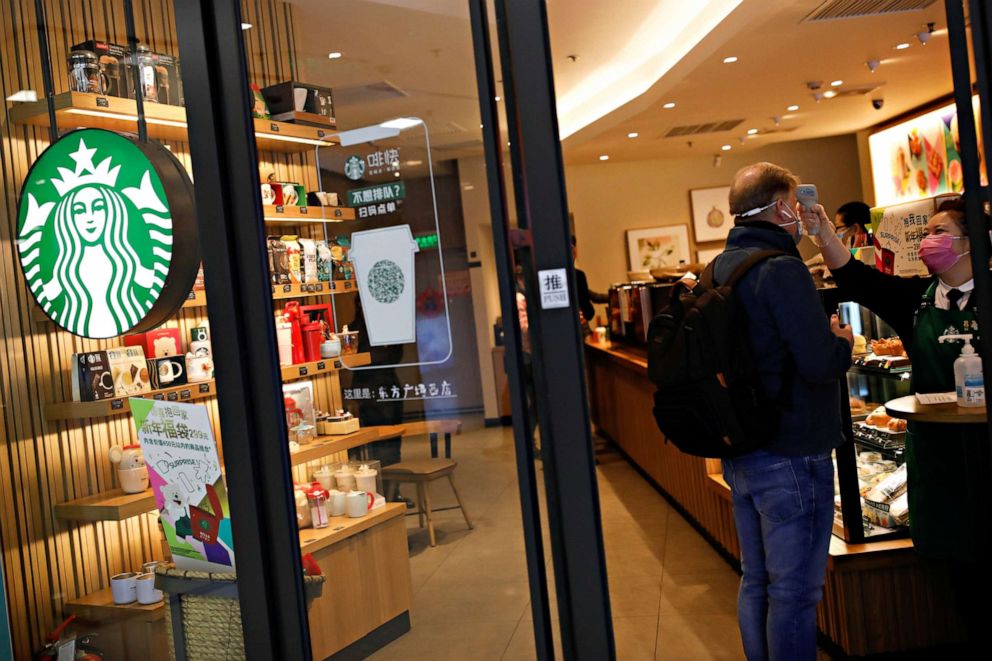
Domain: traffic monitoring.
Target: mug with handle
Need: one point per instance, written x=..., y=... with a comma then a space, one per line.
x=359, y=503
x=124, y=587
x=146, y=591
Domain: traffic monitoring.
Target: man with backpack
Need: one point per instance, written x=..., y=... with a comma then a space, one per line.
x=783, y=492
x=748, y=369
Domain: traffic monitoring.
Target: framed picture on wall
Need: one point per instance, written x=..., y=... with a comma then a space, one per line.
x=657, y=247
x=707, y=255
x=711, y=219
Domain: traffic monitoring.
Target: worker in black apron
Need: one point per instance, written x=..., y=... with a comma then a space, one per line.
x=947, y=464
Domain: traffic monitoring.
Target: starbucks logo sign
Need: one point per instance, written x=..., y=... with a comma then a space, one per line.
x=354, y=167
x=106, y=233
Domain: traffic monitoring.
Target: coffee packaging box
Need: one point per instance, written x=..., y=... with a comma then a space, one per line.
x=157, y=343
x=114, y=67
x=91, y=377
x=129, y=370
x=285, y=99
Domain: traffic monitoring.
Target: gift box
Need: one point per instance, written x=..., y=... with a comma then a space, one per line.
x=337, y=427
x=129, y=370
x=157, y=343
x=91, y=377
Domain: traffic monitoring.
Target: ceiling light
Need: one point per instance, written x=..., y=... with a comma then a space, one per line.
x=669, y=105
x=793, y=108
x=752, y=131
x=247, y=26
x=730, y=60
x=604, y=157
x=829, y=94
x=836, y=83
x=401, y=123
x=633, y=134
x=333, y=55
x=903, y=46
x=725, y=148
x=468, y=187
x=23, y=96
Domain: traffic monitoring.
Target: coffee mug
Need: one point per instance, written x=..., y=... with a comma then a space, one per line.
x=124, y=587
x=358, y=503
x=166, y=371
x=336, y=502
x=145, y=590
x=199, y=368
x=289, y=195
x=268, y=194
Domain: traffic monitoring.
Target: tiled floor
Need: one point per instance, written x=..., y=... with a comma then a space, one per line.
x=672, y=595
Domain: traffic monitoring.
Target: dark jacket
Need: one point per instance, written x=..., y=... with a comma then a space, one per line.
x=797, y=355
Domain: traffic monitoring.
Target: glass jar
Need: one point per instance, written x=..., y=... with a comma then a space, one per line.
x=84, y=72
x=147, y=73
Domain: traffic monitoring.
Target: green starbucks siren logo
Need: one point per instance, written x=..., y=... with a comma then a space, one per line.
x=354, y=167
x=97, y=236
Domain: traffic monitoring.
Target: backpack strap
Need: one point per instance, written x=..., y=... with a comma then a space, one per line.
x=752, y=260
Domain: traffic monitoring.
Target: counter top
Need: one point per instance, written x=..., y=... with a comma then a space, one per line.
x=634, y=357
x=343, y=527
x=909, y=408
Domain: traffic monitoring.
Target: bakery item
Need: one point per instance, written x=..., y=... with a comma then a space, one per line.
x=857, y=406
x=896, y=425
x=860, y=345
x=878, y=418
x=891, y=346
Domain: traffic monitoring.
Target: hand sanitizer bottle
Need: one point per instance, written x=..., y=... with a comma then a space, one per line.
x=968, y=379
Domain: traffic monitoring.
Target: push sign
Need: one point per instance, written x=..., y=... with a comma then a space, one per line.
x=554, y=288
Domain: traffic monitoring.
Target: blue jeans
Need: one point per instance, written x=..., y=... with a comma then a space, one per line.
x=784, y=508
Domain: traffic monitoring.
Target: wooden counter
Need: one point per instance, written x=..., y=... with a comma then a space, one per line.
x=878, y=597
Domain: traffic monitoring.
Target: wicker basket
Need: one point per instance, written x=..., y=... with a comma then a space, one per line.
x=210, y=629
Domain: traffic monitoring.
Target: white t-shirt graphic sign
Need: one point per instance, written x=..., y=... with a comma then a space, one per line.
x=384, y=267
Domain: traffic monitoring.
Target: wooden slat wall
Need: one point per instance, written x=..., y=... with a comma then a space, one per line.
x=49, y=562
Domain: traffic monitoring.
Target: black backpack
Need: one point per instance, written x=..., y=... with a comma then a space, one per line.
x=709, y=401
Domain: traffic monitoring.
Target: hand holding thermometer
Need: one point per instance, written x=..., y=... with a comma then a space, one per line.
x=806, y=195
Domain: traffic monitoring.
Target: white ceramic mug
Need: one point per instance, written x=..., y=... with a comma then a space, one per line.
x=336, y=502
x=330, y=348
x=358, y=503
x=199, y=368
x=168, y=370
x=124, y=587
x=133, y=480
x=146, y=592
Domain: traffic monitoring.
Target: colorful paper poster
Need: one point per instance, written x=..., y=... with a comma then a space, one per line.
x=898, y=231
x=919, y=158
x=184, y=472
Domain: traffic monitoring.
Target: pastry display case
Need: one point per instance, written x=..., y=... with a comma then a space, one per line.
x=870, y=487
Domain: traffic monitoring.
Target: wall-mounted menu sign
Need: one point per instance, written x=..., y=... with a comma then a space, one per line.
x=107, y=233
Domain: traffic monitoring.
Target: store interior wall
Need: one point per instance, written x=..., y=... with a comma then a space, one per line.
x=610, y=198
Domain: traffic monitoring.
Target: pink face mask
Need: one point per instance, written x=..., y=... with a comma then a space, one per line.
x=937, y=252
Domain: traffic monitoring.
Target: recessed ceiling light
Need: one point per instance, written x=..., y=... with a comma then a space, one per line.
x=752, y=131
x=829, y=94
x=669, y=105
x=793, y=108
x=633, y=134
x=333, y=55
x=604, y=157
x=903, y=46
x=837, y=83
x=730, y=60
x=247, y=26
x=23, y=96
x=725, y=148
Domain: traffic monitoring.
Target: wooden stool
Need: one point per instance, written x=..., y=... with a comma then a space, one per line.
x=422, y=472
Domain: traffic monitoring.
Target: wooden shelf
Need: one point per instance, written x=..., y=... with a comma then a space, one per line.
x=343, y=527
x=107, y=506
x=196, y=299
x=119, y=406
x=331, y=288
x=325, y=446
x=165, y=122
x=296, y=215
x=100, y=607
x=326, y=366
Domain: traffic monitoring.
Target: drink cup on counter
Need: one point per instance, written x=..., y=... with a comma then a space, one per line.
x=365, y=478
x=325, y=476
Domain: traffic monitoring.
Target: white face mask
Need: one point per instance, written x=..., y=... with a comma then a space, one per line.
x=797, y=236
